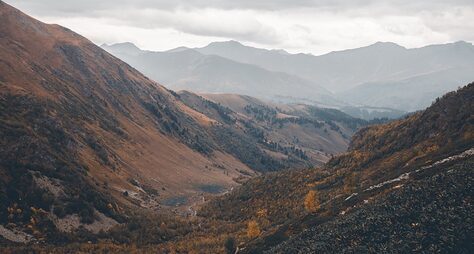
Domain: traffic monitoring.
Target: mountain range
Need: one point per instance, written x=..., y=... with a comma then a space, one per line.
x=85, y=136
x=375, y=76
x=188, y=69
x=97, y=158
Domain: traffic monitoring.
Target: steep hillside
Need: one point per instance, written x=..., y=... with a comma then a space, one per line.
x=303, y=135
x=85, y=137
x=190, y=70
x=432, y=213
x=382, y=159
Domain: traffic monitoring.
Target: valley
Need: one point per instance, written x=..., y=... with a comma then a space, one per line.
x=75, y=116
x=229, y=148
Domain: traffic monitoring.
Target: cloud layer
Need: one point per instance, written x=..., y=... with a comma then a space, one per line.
x=314, y=26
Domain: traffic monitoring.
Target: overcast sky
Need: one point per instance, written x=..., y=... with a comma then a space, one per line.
x=309, y=26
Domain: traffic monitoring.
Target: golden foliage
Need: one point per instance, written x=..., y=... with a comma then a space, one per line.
x=311, y=201
x=262, y=213
x=253, y=229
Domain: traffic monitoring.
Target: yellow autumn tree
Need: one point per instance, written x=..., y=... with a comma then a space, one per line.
x=253, y=229
x=311, y=201
x=262, y=213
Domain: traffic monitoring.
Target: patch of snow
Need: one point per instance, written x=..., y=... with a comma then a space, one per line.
x=404, y=176
x=351, y=196
x=462, y=155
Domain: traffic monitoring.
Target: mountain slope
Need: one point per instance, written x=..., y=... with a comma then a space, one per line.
x=190, y=70
x=85, y=137
x=299, y=133
x=404, y=157
x=431, y=214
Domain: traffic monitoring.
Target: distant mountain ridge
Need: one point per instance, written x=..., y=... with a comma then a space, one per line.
x=341, y=70
x=189, y=69
x=356, y=77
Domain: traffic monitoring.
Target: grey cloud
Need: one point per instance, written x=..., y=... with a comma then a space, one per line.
x=240, y=25
x=90, y=6
x=326, y=23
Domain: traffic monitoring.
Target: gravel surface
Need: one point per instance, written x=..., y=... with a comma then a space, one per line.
x=432, y=215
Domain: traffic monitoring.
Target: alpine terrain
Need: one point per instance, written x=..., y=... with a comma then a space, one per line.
x=228, y=148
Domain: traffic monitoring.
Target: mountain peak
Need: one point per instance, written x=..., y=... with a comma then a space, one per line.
x=462, y=44
x=178, y=49
x=124, y=45
x=280, y=51
x=231, y=43
x=386, y=44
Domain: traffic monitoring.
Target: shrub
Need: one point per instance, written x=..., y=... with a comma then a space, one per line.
x=311, y=201
x=253, y=229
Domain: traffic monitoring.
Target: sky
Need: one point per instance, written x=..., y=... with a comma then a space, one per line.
x=298, y=26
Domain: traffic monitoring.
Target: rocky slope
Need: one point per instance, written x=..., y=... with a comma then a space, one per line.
x=404, y=157
x=431, y=213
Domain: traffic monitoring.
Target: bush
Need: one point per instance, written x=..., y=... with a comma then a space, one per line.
x=311, y=201
x=253, y=229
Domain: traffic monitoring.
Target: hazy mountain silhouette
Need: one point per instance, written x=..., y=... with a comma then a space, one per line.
x=340, y=70
x=184, y=68
x=377, y=75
